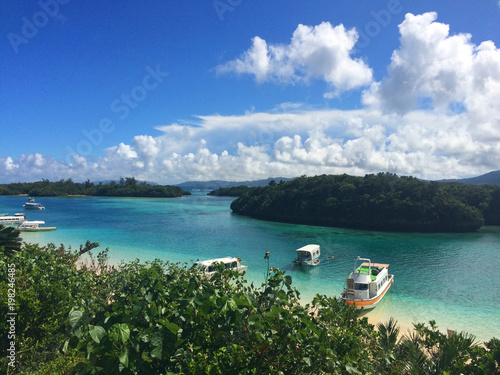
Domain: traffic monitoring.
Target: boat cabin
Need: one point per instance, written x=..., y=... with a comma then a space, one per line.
x=12, y=220
x=32, y=205
x=211, y=266
x=308, y=255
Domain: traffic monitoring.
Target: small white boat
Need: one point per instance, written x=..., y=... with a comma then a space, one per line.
x=14, y=220
x=209, y=267
x=34, y=226
x=308, y=255
x=367, y=284
x=32, y=205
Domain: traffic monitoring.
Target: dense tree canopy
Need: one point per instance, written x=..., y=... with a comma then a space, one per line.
x=378, y=202
x=126, y=187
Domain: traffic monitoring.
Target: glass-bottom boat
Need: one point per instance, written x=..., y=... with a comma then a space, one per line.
x=367, y=284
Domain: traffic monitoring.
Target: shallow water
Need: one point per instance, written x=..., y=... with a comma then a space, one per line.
x=451, y=278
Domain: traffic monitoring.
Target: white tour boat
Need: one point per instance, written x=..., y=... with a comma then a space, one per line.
x=9, y=221
x=367, y=284
x=32, y=205
x=308, y=255
x=209, y=267
x=34, y=226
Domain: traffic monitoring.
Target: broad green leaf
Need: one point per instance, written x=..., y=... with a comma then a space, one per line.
x=154, y=309
x=123, y=357
x=145, y=357
x=232, y=304
x=172, y=327
x=157, y=339
x=156, y=352
x=97, y=333
x=351, y=370
x=119, y=330
x=74, y=318
x=124, y=332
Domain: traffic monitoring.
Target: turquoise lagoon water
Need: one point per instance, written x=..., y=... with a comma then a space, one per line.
x=453, y=279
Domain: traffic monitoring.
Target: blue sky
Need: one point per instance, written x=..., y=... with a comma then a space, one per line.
x=171, y=91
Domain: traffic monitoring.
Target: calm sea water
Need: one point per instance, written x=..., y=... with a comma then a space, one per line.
x=451, y=278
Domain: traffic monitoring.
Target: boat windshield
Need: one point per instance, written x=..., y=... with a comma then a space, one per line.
x=304, y=255
x=361, y=286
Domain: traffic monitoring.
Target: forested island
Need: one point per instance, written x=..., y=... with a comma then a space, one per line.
x=125, y=187
x=373, y=202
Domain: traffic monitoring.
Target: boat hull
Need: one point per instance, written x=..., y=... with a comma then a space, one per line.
x=43, y=229
x=314, y=262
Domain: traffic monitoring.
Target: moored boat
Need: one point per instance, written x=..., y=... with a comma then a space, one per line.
x=34, y=226
x=308, y=255
x=367, y=284
x=14, y=220
x=209, y=267
x=32, y=205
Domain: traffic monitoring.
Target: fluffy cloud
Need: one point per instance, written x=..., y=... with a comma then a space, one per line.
x=354, y=142
x=436, y=69
x=319, y=52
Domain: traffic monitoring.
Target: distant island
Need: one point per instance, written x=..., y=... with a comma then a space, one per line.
x=217, y=184
x=491, y=178
x=125, y=187
x=374, y=202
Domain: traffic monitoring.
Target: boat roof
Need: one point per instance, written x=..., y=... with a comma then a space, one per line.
x=308, y=248
x=382, y=265
x=218, y=260
x=32, y=222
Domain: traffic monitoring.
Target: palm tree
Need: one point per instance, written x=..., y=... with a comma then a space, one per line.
x=413, y=356
x=388, y=335
x=387, y=344
x=10, y=242
x=454, y=351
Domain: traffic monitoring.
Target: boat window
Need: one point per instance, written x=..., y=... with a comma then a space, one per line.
x=361, y=286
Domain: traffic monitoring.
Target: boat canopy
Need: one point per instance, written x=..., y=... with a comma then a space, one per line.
x=225, y=260
x=381, y=265
x=308, y=251
x=26, y=223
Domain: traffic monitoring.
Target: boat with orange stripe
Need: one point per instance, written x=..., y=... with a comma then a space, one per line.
x=367, y=284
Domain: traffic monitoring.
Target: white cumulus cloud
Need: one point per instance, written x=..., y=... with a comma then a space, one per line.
x=435, y=69
x=318, y=52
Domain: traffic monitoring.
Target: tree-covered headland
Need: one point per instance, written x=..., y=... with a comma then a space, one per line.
x=164, y=318
x=373, y=202
x=125, y=187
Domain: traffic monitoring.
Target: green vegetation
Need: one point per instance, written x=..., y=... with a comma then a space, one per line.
x=126, y=187
x=374, y=202
x=10, y=239
x=235, y=191
x=163, y=318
